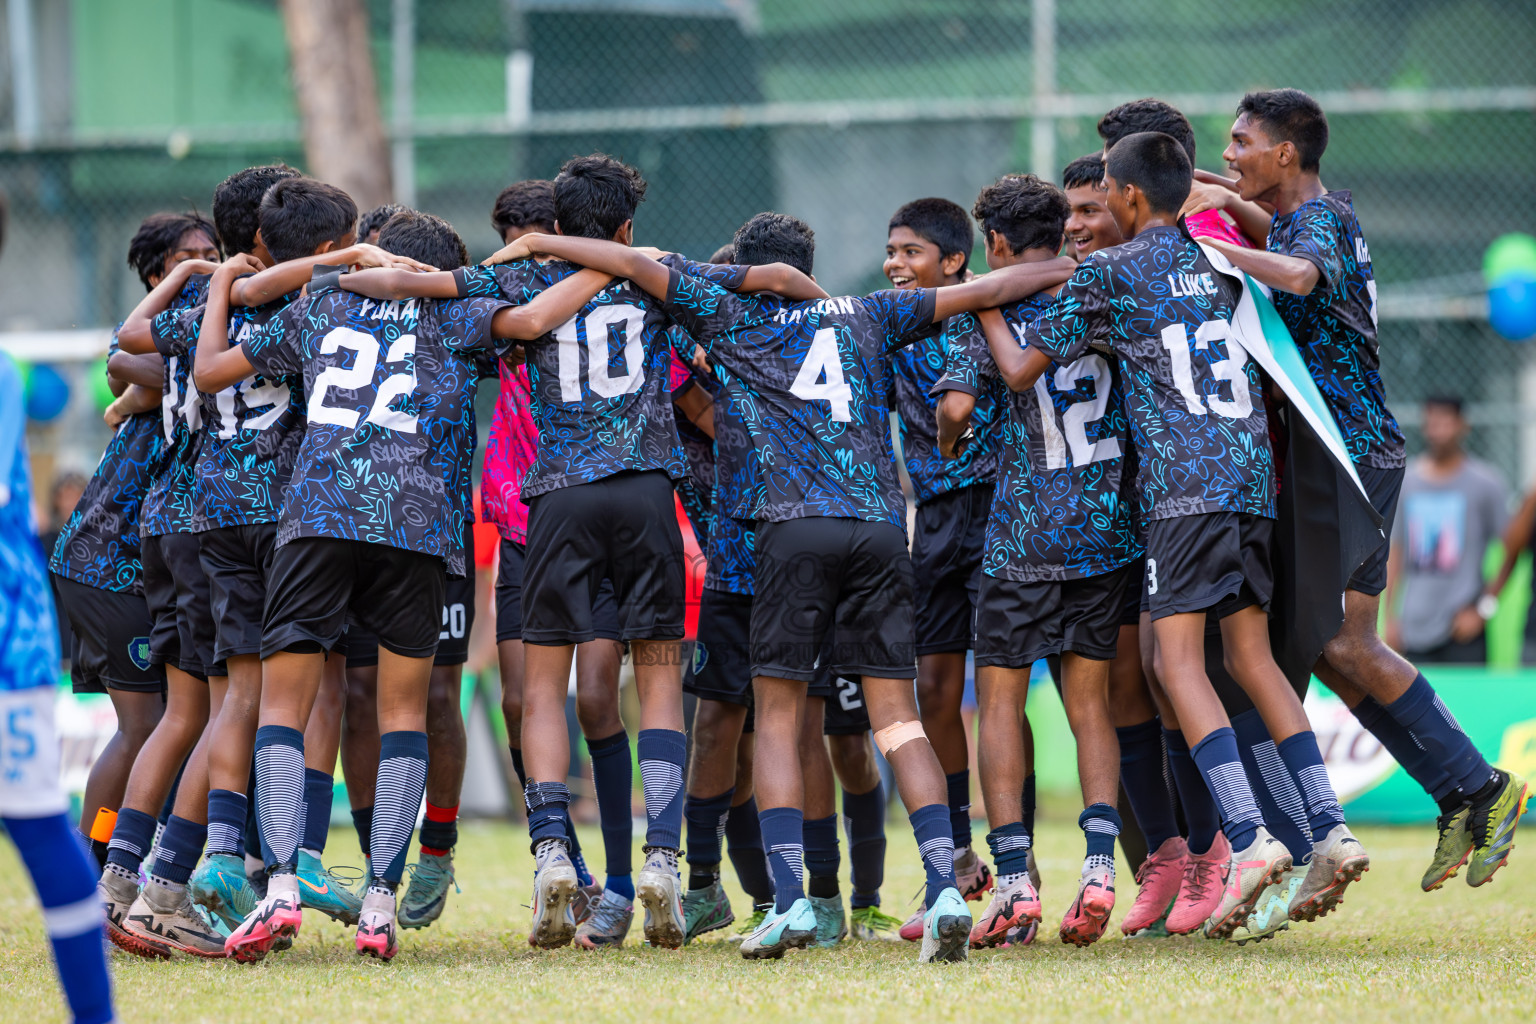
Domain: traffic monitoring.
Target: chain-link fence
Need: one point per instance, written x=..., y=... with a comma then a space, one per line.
x=837, y=112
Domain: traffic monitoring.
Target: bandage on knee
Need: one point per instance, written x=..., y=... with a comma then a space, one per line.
x=894, y=735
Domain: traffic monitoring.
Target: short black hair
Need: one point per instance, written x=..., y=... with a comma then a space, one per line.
x=1147, y=115
x=1028, y=212
x=525, y=204
x=1451, y=402
x=298, y=215
x=376, y=218
x=775, y=238
x=237, y=204
x=1085, y=170
x=1290, y=115
x=595, y=195
x=424, y=237
x=1154, y=163
x=158, y=237
x=938, y=221
x=725, y=254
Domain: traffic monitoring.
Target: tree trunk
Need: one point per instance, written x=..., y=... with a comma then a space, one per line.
x=338, y=97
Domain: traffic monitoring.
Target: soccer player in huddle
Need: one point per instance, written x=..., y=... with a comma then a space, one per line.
x=829, y=542
x=1209, y=516
x=1061, y=551
x=1319, y=267
x=928, y=245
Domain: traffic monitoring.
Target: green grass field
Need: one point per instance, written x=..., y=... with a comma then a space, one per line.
x=1390, y=953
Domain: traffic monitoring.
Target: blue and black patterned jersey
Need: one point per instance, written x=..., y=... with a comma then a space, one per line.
x=1192, y=394
x=390, y=392
x=29, y=634
x=696, y=490
x=1335, y=326
x=99, y=545
x=811, y=382
x=730, y=563
x=168, y=503
x=1065, y=503
x=915, y=370
x=251, y=431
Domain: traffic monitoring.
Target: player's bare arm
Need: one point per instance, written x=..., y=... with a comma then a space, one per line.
x=1002, y=286
x=135, y=336
x=147, y=370
x=696, y=404
x=276, y=281
x=1213, y=192
x=550, y=308
x=1287, y=273
x=782, y=279
x=389, y=283
x=217, y=366
x=953, y=416
x=135, y=399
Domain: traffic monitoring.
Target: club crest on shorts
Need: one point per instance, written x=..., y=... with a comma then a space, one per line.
x=700, y=656
x=138, y=652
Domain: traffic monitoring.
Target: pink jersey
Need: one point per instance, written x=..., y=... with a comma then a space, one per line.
x=509, y=453
x=1212, y=224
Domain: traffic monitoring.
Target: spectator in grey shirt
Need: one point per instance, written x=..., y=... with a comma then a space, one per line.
x=1452, y=507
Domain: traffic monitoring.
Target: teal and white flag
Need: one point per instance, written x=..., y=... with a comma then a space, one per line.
x=1326, y=526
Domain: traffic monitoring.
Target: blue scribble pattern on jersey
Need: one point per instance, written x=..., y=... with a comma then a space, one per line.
x=1065, y=503
x=696, y=489
x=915, y=370
x=168, y=504
x=810, y=382
x=251, y=431
x=1192, y=393
x=99, y=545
x=1335, y=326
x=390, y=406
x=599, y=380
x=29, y=635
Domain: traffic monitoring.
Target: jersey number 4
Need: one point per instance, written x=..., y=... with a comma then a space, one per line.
x=359, y=375
x=821, y=376
x=1230, y=369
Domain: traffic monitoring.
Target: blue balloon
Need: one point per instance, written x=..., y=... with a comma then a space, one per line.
x=47, y=393
x=1512, y=305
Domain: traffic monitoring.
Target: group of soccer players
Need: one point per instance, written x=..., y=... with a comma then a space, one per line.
x=272, y=566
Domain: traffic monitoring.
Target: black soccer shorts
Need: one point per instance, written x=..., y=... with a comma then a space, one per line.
x=360, y=645
x=846, y=713
x=111, y=649
x=1019, y=623
x=844, y=580
x=391, y=592
x=509, y=598
x=180, y=604
x=948, y=543
x=1218, y=561
x=623, y=528
x=721, y=668
x=238, y=562
x=1382, y=486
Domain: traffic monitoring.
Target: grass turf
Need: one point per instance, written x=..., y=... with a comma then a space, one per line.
x=1389, y=953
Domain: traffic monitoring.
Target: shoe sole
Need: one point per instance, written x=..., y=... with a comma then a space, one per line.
x=1525, y=795
x=953, y=941
x=381, y=952
x=435, y=911
x=712, y=926
x=1089, y=928
x=553, y=925
x=179, y=947
x=790, y=938
x=1130, y=918
x=997, y=933
x=1239, y=912
x=130, y=943
x=1260, y=938
x=1449, y=874
x=1320, y=903
x=254, y=947
x=663, y=917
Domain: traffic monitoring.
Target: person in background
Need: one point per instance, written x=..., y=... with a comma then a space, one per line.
x=1453, y=507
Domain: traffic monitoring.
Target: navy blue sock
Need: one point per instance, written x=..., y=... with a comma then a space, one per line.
x=573, y=844
x=319, y=792
x=864, y=826
x=66, y=887
x=744, y=844
x=1280, y=802
x=1222, y=769
x=706, y=817
x=1141, y=773
x=131, y=839
x=280, y=783
x=822, y=858
x=958, y=785
x=253, y=818
x=226, y=821
x=397, y=801
x=170, y=798
x=180, y=845
x=663, y=753
x=936, y=843
x=1010, y=849
x=1201, y=816
x=1399, y=742
x=1100, y=824
x=1304, y=762
x=548, y=805
x=517, y=766
x=1430, y=724
x=784, y=837
x=1027, y=804
x=613, y=779
x=362, y=821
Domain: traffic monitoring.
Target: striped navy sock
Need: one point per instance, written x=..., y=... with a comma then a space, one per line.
x=822, y=857
x=226, y=822
x=1433, y=727
x=1010, y=851
x=180, y=845
x=396, y=802
x=958, y=788
x=280, y=788
x=1201, y=816
x=131, y=839
x=1304, y=763
x=663, y=752
x=1100, y=824
x=548, y=817
x=784, y=839
x=1280, y=802
x=936, y=843
x=706, y=818
x=1222, y=769
x=864, y=828
x=1407, y=751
